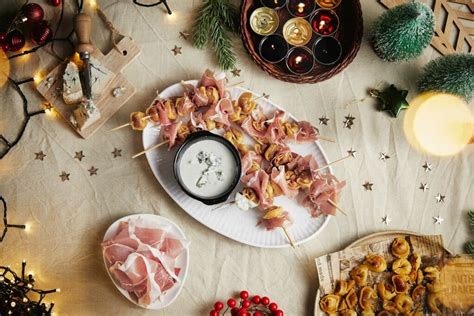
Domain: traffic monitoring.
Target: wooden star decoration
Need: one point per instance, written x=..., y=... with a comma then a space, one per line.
x=64, y=176
x=266, y=96
x=323, y=120
x=184, y=35
x=383, y=156
x=349, y=121
x=236, y=72
x=351, y=152
x=440, y=198
x=424, y=187
x=47, y=106
x=368, y=186
x=386, y=219
x=40, y=156
x=391, y=100
x=79, y=155
x=438, y=219
x=176, y=50
x=427, y=166
x=117, y=153
x=93, y=171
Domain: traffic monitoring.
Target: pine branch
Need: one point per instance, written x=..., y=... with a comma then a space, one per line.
x=202, y=24
x=222, y=46
x=469, y=247
x=470, y=215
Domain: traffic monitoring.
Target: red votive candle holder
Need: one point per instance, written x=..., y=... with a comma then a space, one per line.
x=274, y=4
x=300, y=8
x=300, y=60
x=327, y=50
x=324, y=22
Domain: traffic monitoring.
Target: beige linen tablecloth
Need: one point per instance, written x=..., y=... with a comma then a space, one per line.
x=68, y=219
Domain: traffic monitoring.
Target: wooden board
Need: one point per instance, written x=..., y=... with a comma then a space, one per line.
x=454, y=19
x=107, y=104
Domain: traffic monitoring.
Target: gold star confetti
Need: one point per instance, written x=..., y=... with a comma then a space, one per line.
x=184, y=35
x=93, y=171
x=64, y=176
x=427, y=166
x=117, y=153
x=266, y=96
x=176, y=50
x=440, y=198
x=79, y=155
x=323, y=120
x=236, y=72
x=349, y=121
x=40, y=156
x=47, y=106
x=383, y=157
x=368, y=186
x=438, y=219
x=352, y=153
x=386, y=219
x=424, y=187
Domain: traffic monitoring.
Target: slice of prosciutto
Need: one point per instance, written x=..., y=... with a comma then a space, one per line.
x=170, y=133
x=258, y=181
x=217, y=80
x=323, y=190
x=220, y=112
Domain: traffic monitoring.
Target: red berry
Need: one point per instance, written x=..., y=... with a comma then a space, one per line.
x=265, y=300
x=231, y=302
x=235, y=311
x=257, y=313
x=256, y=299
x=278, y=313
x=218, y=306
x=56, y=3
x=243, y=312
x=244, y=294
x=273, y=307
x=245, y=304
x=214, y=313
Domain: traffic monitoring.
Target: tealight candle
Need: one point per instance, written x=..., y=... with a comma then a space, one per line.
x=274, y=4
x=300, y=8
x=264, y=21
x=324, y=22
x=297, y=31
x=300, y=60
x=327, y=50
x=328, y=4
x=273, y=48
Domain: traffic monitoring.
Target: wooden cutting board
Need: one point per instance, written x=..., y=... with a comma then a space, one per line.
x=115, y=61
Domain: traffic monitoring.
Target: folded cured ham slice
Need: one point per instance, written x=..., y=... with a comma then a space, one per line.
x=218, y=80
x=220, y=112
x=324, y=188
x=170, y=133
x=142, y=259
x=259, y=181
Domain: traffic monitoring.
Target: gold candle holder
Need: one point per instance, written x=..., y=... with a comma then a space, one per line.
x=328, y=4
x=264, y=21
x=297, y=31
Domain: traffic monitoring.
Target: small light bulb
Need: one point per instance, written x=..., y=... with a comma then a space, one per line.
x=38, y=77
x=58, y=290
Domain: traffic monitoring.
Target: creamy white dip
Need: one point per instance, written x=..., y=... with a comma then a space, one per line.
x=207, y=168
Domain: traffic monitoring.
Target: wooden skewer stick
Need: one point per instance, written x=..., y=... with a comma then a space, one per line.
x=337, y=207
x=326, y=139
x=257, y=98
x=235, y=84
x=128, y=124
x=222, y=205
x=151, y=148
x=288, y=236
x=334, y=162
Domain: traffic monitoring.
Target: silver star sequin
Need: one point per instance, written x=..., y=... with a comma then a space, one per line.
x=427, y=166
x=351, y=152
x=349, y=121
x=383, y=156
x=386, y=219
x=323, y=120
x=424, y=187
x=438, y=219
x=440, y=198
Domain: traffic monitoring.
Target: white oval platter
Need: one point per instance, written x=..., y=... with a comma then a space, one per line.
x=229, y=220
x=182, y=261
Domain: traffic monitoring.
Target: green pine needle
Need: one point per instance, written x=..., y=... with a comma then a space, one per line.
x=215, y=19
x=470, y=215
x=469, y=247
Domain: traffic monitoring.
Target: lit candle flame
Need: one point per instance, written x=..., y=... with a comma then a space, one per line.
x=298, y=59
x=322, y=23
x=301, y=7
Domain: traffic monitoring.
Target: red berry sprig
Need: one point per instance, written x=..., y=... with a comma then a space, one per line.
x=247, y=306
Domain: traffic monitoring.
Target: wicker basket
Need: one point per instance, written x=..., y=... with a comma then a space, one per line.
x=349, y=34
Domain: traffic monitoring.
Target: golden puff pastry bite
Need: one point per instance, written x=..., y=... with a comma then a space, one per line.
x=329, y=303
x=435, y=286
x=434, y=302
x=386, y=292
x=400, y=247
x=418, y=293
x=403, y=302
x=401, y=266
x=431, y=273
x=367, y=298
x=390, y=307
x=375, y=263
x=348, y=312
x=351, y=299
x=400, y=283
x=342, y=287
x=415, y=261
x=385, y=313
x=359, y=275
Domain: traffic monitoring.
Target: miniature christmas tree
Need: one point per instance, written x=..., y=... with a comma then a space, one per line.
x=401, y=33
x=450, y=74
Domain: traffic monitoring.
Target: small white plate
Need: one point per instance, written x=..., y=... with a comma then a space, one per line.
x=230, y=221
x=182, y=261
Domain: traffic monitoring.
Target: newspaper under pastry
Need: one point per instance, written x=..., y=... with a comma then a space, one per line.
x=85, y=115
x=338, y=265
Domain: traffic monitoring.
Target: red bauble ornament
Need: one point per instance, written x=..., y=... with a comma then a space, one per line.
x=15, y=40
x=3, y=42
x=33, y=13
x=56, y=3
x=41, y=32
